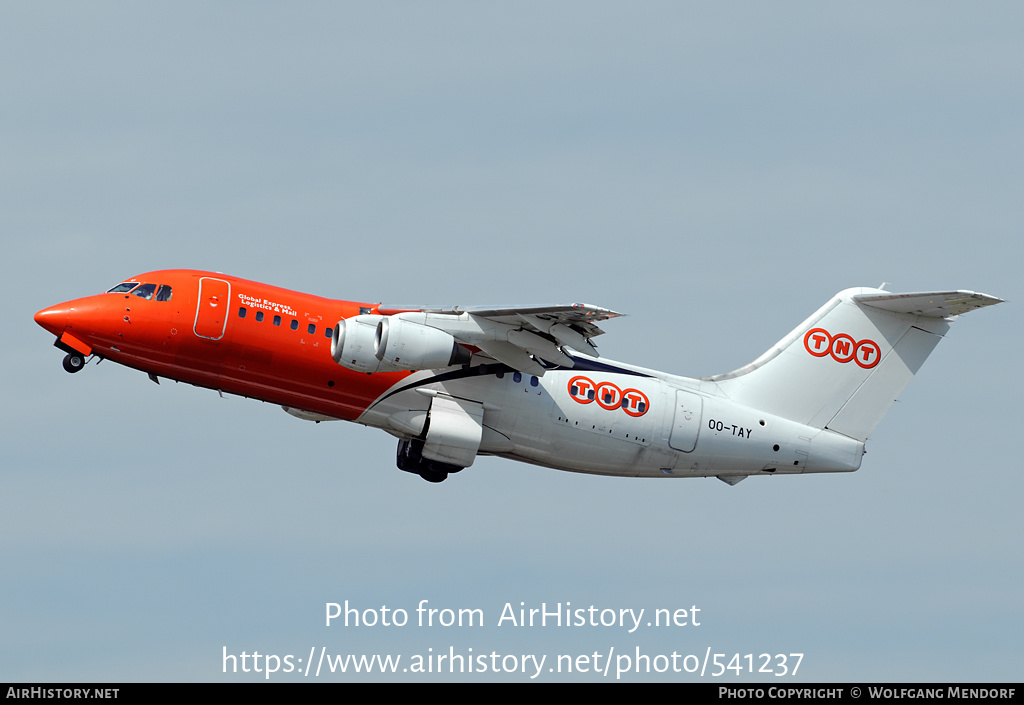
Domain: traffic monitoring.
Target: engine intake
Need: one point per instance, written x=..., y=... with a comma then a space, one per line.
x=352, y=344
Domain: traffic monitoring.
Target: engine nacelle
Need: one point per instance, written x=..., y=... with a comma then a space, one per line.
x=407, y=345
x=353, y=344
x=371, y=343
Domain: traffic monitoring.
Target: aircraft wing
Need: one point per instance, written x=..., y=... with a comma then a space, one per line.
x=519, y=336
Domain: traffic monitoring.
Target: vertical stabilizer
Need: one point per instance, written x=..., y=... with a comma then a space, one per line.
x=843, y=367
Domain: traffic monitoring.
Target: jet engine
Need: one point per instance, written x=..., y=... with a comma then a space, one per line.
x=371, y=343
x=412, y=346
x=352, y=344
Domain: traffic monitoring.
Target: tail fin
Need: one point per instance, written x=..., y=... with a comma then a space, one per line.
x=843, y=367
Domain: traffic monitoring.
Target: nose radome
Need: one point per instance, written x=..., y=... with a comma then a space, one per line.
x=54, y=318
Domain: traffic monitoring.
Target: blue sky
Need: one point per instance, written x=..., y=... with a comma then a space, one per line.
x=716, y=172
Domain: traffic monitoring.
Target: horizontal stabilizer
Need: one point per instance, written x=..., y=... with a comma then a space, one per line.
x=934, y=304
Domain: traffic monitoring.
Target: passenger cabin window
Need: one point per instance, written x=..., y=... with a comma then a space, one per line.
x=312, y=329
x=277, y=320
x=259, y=316
x=329, y=332
x=241, y=311
x=294, y=324
x=145, y=291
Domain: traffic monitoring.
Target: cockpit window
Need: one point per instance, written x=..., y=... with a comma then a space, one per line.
x=145, y=291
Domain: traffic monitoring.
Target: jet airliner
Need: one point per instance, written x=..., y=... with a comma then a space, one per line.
x=520, y=382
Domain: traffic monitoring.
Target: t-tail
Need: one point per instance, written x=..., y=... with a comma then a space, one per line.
x=843, y=367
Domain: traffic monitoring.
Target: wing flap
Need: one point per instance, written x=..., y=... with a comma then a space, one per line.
x=512, y=355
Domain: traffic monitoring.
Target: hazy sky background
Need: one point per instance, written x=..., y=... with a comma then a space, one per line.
x=715, y=171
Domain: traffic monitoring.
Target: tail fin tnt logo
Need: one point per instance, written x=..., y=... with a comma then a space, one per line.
x=819, y=342
x=583, y=390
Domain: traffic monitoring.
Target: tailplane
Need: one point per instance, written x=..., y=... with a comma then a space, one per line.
x=843, y=367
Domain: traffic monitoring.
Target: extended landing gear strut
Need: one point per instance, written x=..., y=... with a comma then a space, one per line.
x=74, y=362
x=410, y=459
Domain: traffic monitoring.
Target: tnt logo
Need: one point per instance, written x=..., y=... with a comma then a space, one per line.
x=584, y=390
x=608, y=396
x=819, y=342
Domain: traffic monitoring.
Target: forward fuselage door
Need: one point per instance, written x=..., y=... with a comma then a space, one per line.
x=212, y=309
x=686, y=421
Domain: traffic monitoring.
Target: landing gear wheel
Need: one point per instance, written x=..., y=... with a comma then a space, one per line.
x=74, y=362
x=410, y=459
x=433, y=475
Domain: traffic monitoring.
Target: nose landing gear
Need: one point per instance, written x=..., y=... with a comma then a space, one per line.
x=74, y=362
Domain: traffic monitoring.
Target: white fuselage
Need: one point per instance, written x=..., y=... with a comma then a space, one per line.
x=575, y=420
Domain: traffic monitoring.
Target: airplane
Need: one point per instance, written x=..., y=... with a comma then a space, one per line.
x=520, y=382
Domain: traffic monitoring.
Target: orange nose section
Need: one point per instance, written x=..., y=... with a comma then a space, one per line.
x=86, y=316
x=53, y=319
